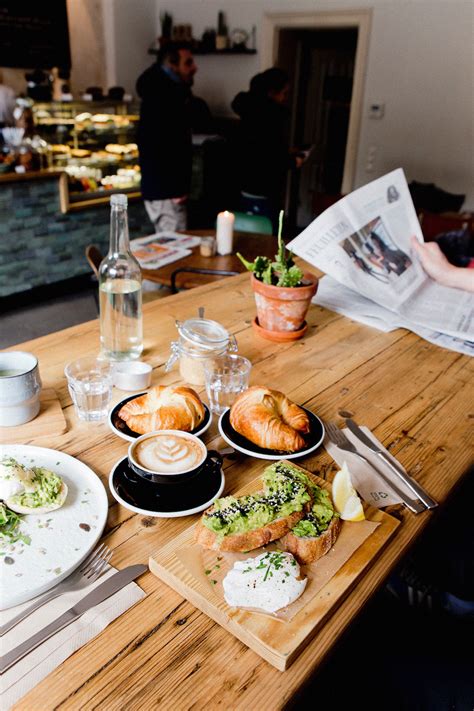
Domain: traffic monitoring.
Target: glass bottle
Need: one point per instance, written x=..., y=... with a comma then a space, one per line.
x=120, y=291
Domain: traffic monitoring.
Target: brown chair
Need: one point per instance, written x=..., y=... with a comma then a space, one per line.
x=196, y=270
x=432, y=225
x=94, y=257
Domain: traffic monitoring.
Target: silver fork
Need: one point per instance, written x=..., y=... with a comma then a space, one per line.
x=338, y=437
x=89, y=571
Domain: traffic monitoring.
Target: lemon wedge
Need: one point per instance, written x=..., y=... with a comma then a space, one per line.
x=345, y=498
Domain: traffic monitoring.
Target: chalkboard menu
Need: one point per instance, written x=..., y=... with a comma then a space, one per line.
x=34, y=34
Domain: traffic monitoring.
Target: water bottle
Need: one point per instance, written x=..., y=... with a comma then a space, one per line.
x=120, y=291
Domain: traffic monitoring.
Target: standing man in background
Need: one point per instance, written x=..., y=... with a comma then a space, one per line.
x=164, y=136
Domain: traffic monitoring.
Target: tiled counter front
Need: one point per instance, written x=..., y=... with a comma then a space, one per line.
x=39, y=245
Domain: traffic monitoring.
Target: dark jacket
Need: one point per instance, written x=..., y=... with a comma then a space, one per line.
x=164, y=135
x=262, y=145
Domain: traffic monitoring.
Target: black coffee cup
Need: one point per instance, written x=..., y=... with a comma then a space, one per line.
x=155, y=475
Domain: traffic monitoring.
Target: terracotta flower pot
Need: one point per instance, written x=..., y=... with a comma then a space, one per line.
x=282, y=309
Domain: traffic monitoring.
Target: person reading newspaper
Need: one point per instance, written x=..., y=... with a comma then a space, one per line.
x=373, y=272
x=438, y=268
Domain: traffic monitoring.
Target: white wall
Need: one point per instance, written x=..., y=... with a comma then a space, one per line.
x=86, y=36
x=131, y=27
x=420, y=65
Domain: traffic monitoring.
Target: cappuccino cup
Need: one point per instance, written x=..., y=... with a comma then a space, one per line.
x=20, y=388
x=167, y=456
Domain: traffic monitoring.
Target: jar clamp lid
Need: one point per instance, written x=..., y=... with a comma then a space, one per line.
x=203, y=332
x=200, y=337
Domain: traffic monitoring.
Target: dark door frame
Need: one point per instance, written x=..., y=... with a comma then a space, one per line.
x=360, y=19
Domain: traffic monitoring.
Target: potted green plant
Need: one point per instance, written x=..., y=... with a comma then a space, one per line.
x=283, y=293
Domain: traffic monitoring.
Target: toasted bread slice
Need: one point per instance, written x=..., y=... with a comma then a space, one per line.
x=307, y=549
x=249, y=540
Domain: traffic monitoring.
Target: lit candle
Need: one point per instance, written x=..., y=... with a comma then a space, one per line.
x=225, y=232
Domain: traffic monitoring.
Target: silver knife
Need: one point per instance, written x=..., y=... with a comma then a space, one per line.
x=110, y=586
x=413, y=485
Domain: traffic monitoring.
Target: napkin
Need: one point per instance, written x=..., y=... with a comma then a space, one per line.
x=33, y=668
x=370, y=486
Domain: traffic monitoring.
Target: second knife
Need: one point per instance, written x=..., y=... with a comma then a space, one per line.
x=413, y=485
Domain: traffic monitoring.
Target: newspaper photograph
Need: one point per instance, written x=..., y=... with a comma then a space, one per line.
x=363, y=242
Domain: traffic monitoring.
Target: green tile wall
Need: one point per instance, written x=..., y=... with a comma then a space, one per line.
x=39, y=245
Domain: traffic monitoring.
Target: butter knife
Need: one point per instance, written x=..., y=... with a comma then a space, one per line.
x=109, y=587
x=413, y=485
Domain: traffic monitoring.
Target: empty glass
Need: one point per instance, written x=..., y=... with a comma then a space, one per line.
x=90, y=386
x=226, y=377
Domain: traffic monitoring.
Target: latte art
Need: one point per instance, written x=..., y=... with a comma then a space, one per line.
x=169, y=454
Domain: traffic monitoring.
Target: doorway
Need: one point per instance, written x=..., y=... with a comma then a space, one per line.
x=325, y=55
x=320, y=64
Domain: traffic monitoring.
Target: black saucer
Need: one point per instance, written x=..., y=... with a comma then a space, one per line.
x=313, y=439
x=121, y=428
x=169, y=500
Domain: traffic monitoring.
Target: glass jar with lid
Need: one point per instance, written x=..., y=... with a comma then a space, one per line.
x=200, y=340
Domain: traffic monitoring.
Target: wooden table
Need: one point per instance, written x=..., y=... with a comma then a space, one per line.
x=163, y=653
x=250, y=245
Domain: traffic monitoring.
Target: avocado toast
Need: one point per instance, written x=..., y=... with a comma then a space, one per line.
x=248, y=522
x=315, y=534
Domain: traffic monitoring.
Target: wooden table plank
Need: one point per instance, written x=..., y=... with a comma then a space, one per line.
x=163, y=653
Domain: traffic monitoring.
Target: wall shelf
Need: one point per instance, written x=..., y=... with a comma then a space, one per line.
x=214, y=52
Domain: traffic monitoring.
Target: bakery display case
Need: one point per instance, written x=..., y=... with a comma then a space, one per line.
x=94, y=144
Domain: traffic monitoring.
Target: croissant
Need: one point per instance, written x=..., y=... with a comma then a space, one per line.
x=269, y=419
x=164, y=408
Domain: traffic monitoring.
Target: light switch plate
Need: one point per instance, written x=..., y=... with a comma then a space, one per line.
x=376, y=111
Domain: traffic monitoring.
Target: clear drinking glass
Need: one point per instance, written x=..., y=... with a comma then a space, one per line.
x=90, y=386
x=226, y=377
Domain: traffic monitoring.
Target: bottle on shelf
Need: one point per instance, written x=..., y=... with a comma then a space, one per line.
x=120, y=291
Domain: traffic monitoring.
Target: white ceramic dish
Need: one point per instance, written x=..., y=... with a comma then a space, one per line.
x=314, y=439
x=128, y=435
x=132, y=375
x=61, y=539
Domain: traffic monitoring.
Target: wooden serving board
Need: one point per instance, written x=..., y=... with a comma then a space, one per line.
x=278, y=641
x=50, y=421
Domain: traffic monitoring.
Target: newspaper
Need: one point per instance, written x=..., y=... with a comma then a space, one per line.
x=157, y=250
x=337, y=297
x=363, y=242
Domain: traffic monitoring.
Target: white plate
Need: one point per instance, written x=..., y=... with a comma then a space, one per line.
x=314, y=439
x=130, y=436
x=58, y=541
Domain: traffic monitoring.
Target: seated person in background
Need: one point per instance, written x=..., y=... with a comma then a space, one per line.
x=263, y=153
x=438, y=268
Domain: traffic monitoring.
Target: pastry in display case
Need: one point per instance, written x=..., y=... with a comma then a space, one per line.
x=94, y=144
